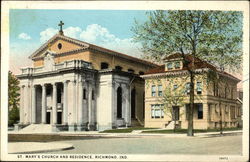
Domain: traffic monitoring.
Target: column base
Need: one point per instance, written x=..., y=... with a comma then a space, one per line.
x=72, y=128
x=82, y=127
x=19, y=126
x=54, y=128
x=91, y=127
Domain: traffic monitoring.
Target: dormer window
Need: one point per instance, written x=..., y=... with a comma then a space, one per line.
x=177, y=65
x=141, y=73
x=170, y=66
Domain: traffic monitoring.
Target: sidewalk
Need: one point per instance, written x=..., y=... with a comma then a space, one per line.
x=132, y=134
x=37, y=147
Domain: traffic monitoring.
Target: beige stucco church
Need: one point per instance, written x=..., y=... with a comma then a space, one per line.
x=75, y=86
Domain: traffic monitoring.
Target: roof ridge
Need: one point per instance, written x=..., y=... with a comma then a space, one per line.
x=90, y=46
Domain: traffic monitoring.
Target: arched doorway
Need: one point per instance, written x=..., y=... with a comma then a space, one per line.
x=119, y=102
x=133, y=103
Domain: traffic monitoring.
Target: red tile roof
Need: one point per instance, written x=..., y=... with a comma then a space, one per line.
x=198, y=64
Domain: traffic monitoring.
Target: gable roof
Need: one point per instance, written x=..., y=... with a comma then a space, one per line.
x=87, y=46
x=198, y=64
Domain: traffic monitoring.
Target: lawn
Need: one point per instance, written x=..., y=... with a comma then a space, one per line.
x=125, y=130
x=181, y=131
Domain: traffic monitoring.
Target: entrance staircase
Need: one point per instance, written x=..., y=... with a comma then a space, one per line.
x=135, y=123
x=37, y=128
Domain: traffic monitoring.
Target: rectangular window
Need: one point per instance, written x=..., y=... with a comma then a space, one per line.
x=199, y=111
x=170, y=65
x=232, y=112
x=187, y=88
x=175, y=86
x=177, y=65
x=153, y=90
x=157, y=111
x=159, y=90
x=199, y=88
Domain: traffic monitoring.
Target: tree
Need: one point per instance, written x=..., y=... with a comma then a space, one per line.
x=213, y=36
x=13, y=101
x=171, y=98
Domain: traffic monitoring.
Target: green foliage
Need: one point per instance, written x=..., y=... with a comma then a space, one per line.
x=13, y=116
x=13, y=98
x=214, y=36
x=172, y=97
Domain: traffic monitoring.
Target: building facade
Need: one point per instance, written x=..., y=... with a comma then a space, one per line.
x=74, y=85
x=167, y=91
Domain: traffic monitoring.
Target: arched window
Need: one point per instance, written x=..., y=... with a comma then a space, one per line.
x=104, y=65
x=118, y=68
x=119, y=102
x=131, y=71
x=84, y=94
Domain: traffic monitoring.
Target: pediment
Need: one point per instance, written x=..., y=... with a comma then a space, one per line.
x=59, y=44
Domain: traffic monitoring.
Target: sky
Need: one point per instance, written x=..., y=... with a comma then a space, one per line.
x=30, y=28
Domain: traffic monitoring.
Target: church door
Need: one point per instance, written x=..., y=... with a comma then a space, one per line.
x=47, y=117
x=59, y=117
x=119, y=102
x=133, y=104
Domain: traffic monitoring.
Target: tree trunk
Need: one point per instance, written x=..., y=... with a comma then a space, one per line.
x=191, y=107
x=174, y=125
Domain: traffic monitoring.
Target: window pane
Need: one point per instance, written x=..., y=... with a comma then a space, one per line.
x=157, y=113
x=170, y=66
x=177, y=65
x=200, y=111
x=153, y=89
x=159, y=90
x=199, y=88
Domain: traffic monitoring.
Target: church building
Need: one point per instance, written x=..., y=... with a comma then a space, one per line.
x=77, y=86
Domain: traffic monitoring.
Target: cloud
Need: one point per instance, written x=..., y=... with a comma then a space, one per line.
x=98, y=35
x=24, y=36
x=47, y=34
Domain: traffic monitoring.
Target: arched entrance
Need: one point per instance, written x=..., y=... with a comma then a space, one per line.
x=119, y=102
x=133, y=103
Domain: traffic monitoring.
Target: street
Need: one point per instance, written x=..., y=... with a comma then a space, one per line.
x=225, y=145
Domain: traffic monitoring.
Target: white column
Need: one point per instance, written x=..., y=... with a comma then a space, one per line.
x=25, y=104
x=85, y=105
x=28, y=104
x=80, y=105
x=44, y=103
x=22, y=104
x=54, y=106
x=74, y=103
x=33, y=110
x=124, y=101
x=90, y=103
x=65, y=103
x=128, y=105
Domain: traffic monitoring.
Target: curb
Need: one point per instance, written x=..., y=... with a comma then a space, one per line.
x=41, y=151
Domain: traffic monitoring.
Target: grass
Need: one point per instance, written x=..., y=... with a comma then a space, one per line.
x=125, y=130
x=182, y=131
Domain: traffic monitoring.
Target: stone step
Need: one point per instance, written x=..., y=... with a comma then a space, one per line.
x=38, y=128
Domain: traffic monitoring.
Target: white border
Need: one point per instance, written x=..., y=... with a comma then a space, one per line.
x=126, y=5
